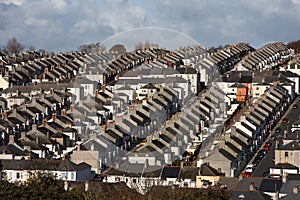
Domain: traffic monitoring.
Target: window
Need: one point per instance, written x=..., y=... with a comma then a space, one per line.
x=72, y=176
x=134, y=180
x=18, y=175
x=64, y=176
x=10, y=175
x=286, y=154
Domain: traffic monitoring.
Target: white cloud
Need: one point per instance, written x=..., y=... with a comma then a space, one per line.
x=16, y=2
x=121, y=15
x=65, y=24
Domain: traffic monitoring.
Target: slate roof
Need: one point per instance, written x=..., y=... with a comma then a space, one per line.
x=189, y=172
x=257, y=195
x=206, y=170
x=294, y=145
x=41, y=164
x=170, y=172
x=287, y=188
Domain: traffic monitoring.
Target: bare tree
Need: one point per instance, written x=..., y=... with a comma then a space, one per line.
x=13, y=46
x=139, y=45
x=89, y=48
x=145, y=45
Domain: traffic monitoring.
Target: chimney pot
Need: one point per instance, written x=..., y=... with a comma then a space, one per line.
x=284, y=177
x=44, y=122
x=103, y=88
x=63, y=112
x=72, y=107
x=53, y=117
x=251, y=186
x=11, y=139
x=295, y=189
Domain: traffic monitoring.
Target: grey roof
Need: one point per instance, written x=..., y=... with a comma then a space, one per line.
x=287, y=188
x=42, y=164
x=207, y=170
x=189, y=172
x=170, y=172
x=257, y=195
x=294, y=145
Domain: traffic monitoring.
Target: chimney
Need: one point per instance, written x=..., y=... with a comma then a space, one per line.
x=284, y=134
x=36, y=139
x=92, y=147
x=53, y=117
x=11, y=139
x=251, y=186
x=149, y=139
x=4, y=115
x=34, y=127
x=241, y=177
x=51, y=90
x=284, y=177
x=23, y=135
x=103, y=88
x=295, y=189
x=72, y=108
x=96, y=92
x=44, y=122
x=63, y=112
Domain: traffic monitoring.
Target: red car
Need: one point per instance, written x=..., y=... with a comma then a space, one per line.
x=247, y=174
x=285, y=120
x=266, y=147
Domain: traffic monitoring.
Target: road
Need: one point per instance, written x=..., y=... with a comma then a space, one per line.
x=266, y=163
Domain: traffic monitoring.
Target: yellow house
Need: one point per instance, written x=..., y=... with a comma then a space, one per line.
x=205, y=181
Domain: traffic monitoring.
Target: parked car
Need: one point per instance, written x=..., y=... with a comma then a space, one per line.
x=272, y=137
x=256, y=161
x=249, y=168
x=277, y=130
x=269, y=143
x=265, y=174
x=295, y=106
x=261, y=153
x=266, y=147
x=247, y=174
x=285, y=120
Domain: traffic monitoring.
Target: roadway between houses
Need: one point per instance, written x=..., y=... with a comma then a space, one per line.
x=267, y=161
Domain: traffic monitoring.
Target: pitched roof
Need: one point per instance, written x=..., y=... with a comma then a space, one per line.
x=207, y=170
x=189, y=172
x=170, y=172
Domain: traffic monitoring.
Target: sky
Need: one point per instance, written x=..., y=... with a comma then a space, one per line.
x=63, y=25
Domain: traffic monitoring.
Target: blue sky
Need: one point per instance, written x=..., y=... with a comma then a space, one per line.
x=62, y=25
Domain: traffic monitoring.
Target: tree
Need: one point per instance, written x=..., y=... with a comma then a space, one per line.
x=13, y=46
x=145, y=45
x=93, y=47
x=294, y=45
